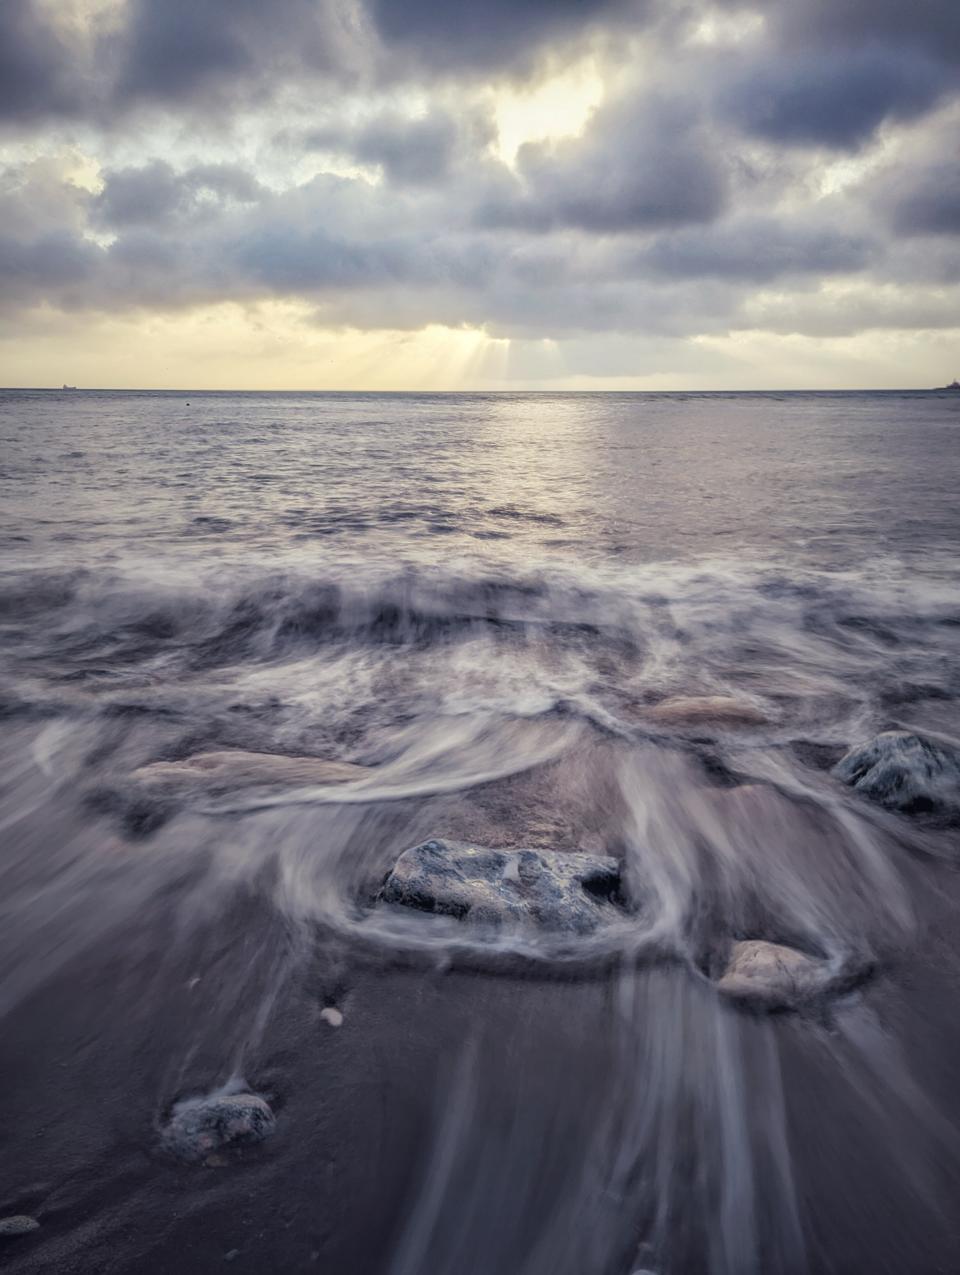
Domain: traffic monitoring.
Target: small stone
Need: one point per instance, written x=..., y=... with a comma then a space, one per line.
x=200, y=1127
x=232, y=1255
x=525, y=889
x=904, y=772
x=19, y=1224
x=332, y=1016
x=706, y=710
x=772, y=975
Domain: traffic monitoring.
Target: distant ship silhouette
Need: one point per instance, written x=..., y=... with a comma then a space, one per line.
x=73, y=387
x=954, y=385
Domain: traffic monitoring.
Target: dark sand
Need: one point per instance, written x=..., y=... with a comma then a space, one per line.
x=455, y=1122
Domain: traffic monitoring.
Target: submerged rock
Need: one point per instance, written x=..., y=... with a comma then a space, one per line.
x=903, y=771
x=706, y=710
x=19, y=1224
x=235, y=768
x=527, y=889
x=773, y=976
x=200, y=1127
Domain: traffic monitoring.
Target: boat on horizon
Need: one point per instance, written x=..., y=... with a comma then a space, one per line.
x=73, y=387
x=954, y=385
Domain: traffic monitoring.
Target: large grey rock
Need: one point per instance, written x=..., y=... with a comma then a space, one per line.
x=773, y=976
x=904, y=772
x=200, y=1127
x=522, y=889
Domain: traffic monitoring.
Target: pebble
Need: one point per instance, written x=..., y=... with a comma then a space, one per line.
x=332, y=1016
x=703, y=710
x=19, y=1224
x=234, y=768
x=772, y=975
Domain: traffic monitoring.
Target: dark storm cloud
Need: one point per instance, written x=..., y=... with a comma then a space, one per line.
x=696, y=188
x=177, y=51
x=921, y=200
x=190, y=54
x=826, y=72
x=45, y=266
x=172, y=51
x=155, y=192
x=932, y=207
x=418, y=151
x=930, y=25
x=470, y=34
x=641, y=164
x=758, y=250
x=834, y=98
x=36, y=75
x=282, y=260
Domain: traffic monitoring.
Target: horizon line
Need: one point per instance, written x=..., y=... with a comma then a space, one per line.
x=772, y=389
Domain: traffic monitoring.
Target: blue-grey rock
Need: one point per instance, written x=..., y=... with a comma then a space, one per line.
x=905, y=772
x=20, y=1224
x=200, y=1127
x=520, y=889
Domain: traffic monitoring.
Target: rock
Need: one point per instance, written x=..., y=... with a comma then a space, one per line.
x=705, y=710
x=19, y=1224
x=332, y=1016
x=904, y=772
x=526, y=889
x=773, y=976
x=234, y=768
x=200, y=1127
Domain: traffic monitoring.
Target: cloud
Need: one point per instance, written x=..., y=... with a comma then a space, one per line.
x=917, y=193
x=181, y=51
x=835, y=98
x=340, y=156
x=759, y=250
x=926, y=202
x=47, y=264
x=927, y=25
x=155, y=193
x=415, y=151
x=36, y=76
x=642, y=163
x=464, y=34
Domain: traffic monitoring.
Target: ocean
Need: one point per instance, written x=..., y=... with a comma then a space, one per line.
x=478, y=602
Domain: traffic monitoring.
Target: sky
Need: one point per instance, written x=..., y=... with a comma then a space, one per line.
x=516, y=194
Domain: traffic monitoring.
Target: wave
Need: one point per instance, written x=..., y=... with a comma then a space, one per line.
x=511, y=708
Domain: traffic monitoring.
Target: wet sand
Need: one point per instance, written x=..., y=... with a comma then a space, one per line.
x=478, y=1123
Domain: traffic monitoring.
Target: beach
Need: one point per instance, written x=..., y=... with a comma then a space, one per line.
x=254, y=648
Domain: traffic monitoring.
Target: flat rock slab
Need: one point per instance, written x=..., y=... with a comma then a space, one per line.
x=234, y=768
x=18, y=1225
x=772, y=975
x=905, y=772
x=201, y=1127
x=522, y=889
x=705, y=710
